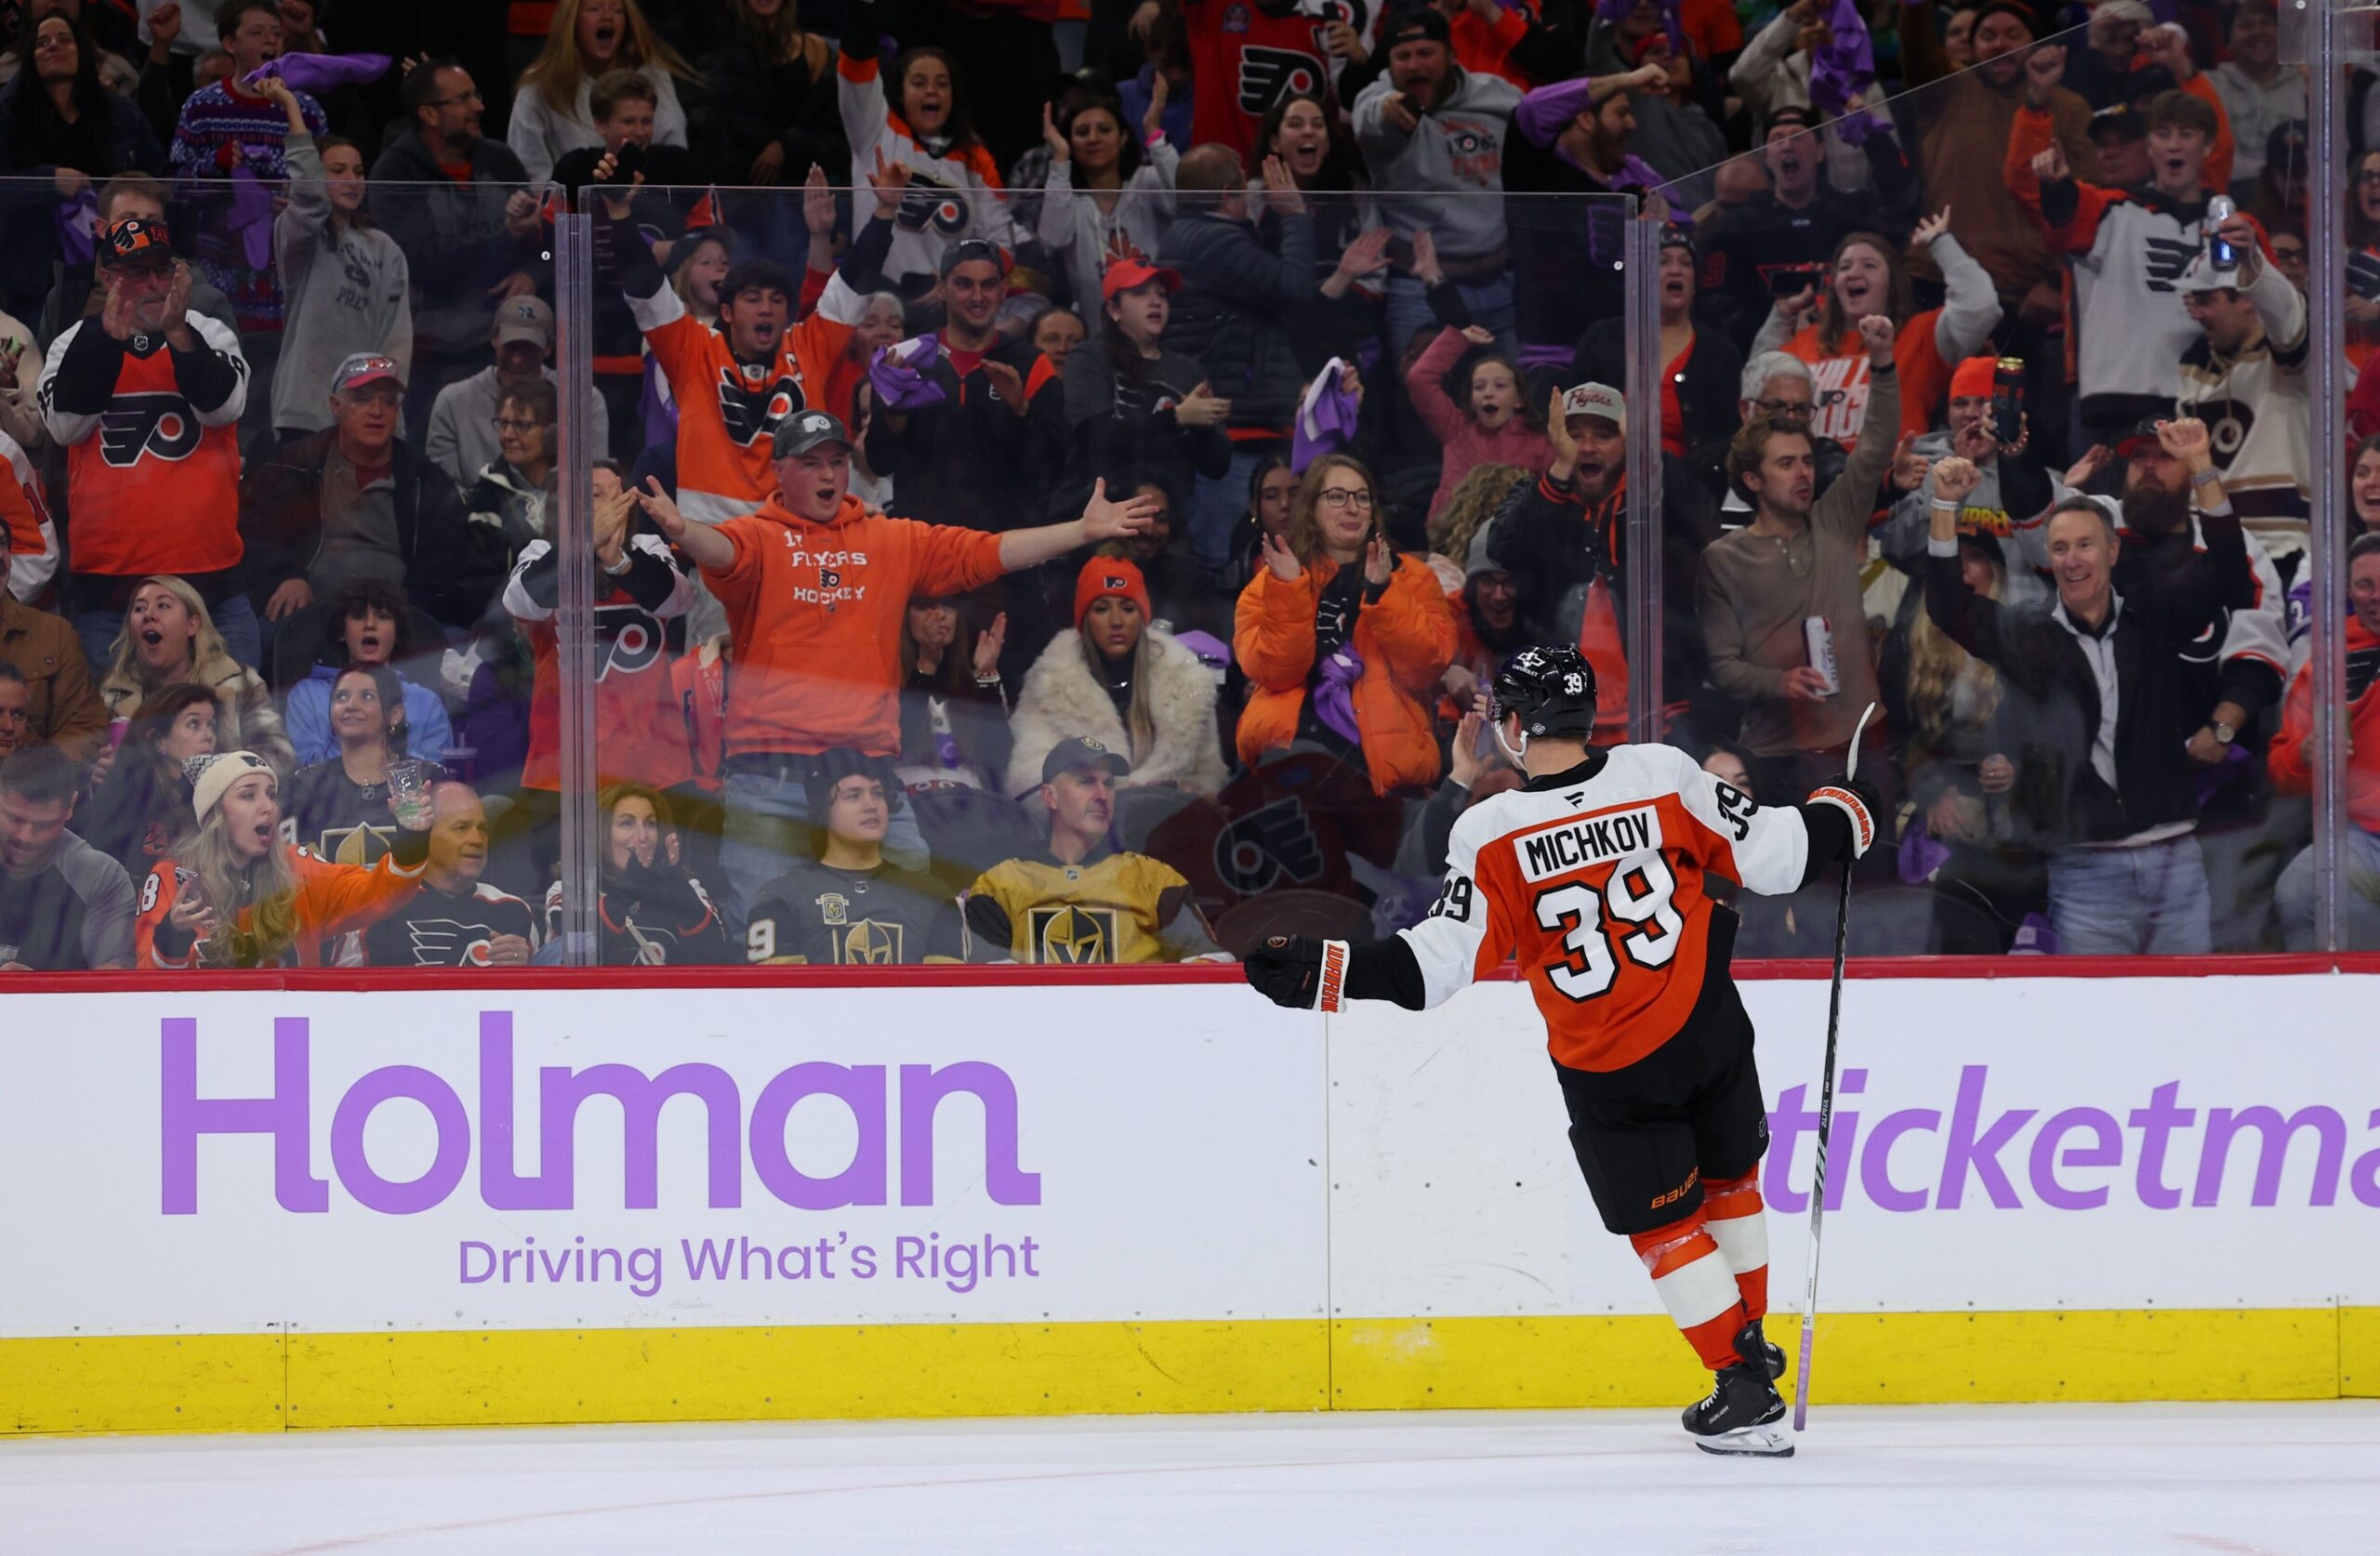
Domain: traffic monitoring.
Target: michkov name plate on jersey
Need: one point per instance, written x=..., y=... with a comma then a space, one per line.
x=1588, y=840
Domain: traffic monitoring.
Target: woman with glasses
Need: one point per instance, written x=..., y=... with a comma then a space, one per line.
x=514, y=495
x=1341, y=639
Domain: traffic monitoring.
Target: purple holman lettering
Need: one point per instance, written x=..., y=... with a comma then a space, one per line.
x=2047, y=1158
x=183, y=1116
x=1966, y=1151
x=2223, y=1124
x=641, y=1098
x=2364, y=1179
x=1786, y=1128
x=467, y=1278
x=923, y=1089
x=860, y=1089
x=2156, y=1123
x=453, y=1125
x=500, y=1184
x=1876, y=1163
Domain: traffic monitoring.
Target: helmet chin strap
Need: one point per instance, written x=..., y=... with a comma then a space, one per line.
x=1516, y=756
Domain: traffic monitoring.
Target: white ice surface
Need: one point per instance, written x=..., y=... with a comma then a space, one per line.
x=2283, y=1479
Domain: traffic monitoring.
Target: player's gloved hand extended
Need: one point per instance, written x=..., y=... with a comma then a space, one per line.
x=1286, y=970
x=1862, y=805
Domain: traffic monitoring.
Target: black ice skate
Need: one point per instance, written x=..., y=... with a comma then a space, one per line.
x=1744, y=1414
x=1772, y=1354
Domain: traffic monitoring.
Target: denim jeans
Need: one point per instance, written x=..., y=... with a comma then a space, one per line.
x=2147, y=901
x=235, y=619
x=768, y=828
x=1408, y=301
x=2294, y=895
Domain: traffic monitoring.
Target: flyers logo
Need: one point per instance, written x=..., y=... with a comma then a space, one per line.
x=445, y=943
x=1074, y=934
x=1263, y=846
x=2165, y=259
x=135, y=426
x=1468, y=140
x=933, y=205
x=1266, y=75
x=628, y=637
x=753, y=414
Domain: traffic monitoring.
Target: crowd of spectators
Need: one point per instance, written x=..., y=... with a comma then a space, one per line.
x=1062, y=470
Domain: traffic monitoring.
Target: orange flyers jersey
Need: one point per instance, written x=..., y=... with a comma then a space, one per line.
x=1595, y=881
x=332, y=899
x=727, y=412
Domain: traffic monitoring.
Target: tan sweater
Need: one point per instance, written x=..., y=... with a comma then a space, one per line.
x=1754, y=590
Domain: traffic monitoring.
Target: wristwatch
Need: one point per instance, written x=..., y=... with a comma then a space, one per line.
x=2225, y=734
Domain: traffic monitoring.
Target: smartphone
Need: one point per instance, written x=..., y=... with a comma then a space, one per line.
x=2008, y=402
x=627, y=163
x=1786, y=280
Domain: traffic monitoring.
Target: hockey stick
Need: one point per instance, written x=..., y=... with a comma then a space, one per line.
x=1826, y=1111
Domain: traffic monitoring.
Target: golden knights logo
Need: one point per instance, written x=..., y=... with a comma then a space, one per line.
x=869, y=944
x=1074, y=934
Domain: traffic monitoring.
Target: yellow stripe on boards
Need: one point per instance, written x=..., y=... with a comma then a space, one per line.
x=269, y=1382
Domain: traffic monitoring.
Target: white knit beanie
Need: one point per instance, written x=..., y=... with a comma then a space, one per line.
x=209, y=777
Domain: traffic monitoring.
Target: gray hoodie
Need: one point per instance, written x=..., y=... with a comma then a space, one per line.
x=1458, y=149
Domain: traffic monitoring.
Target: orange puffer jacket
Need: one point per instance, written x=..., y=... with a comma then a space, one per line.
x=1407, y=639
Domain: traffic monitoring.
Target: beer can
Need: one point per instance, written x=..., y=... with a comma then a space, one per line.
x=1821, y=641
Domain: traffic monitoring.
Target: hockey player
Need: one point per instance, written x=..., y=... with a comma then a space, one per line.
x=851, y=908
x=1593, y=875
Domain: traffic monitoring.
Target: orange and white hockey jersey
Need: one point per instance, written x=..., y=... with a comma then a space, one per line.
x=954, y=193
x=27, y=532
x=727, y=412
x=1593, y=879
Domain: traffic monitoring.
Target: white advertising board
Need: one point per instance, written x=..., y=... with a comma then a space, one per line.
x=214, y=1163
x=227, y=1162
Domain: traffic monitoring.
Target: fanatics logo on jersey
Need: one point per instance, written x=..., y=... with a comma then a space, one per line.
x=1074, y=934
x=1588, y=840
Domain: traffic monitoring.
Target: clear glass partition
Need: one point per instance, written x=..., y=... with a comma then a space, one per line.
x=2021, y=452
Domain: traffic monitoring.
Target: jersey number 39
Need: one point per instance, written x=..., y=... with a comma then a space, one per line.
x=1638, y=896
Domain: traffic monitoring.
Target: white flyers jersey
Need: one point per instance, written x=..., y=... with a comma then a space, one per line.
x=1594, y=880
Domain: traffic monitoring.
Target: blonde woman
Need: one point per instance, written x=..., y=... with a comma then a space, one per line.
x=233, y=894
x=551, y=116
x=169, y=639
x=1123, y=683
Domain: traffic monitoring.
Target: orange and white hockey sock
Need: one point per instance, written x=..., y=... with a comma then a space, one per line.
x=1696, y=1286
x=1732, y=1208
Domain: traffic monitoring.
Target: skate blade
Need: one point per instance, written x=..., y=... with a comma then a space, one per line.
x=1774, y=1441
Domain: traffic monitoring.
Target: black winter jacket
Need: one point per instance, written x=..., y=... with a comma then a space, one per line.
x=2060, y=796
x=1234, y=311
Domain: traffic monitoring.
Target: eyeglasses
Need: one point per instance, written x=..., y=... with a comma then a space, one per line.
x=1781, y=407
x=1338, y=497
x=458, y=98
x=2369, y=176
x=513, y=424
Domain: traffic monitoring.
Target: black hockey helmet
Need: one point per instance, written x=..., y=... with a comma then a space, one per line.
x=1552, y=688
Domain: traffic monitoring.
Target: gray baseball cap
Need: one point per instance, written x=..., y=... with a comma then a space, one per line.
x=796, y=435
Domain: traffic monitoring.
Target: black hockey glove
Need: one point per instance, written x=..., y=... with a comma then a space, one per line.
x=1286, y=970
x=1860, y=804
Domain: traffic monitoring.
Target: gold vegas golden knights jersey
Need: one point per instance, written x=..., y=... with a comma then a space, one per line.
x=1111, y=907
x=823, y=916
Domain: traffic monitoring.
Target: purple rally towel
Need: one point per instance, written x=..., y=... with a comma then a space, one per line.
x=1334, y=692
x=251, y=217
x=1211, y=651
x=75, y=239
x=1326, y=418
x=317, y=74
x=1846, y=66
x=899, y=371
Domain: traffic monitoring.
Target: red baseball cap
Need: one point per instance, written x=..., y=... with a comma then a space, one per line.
x=1125, y=274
